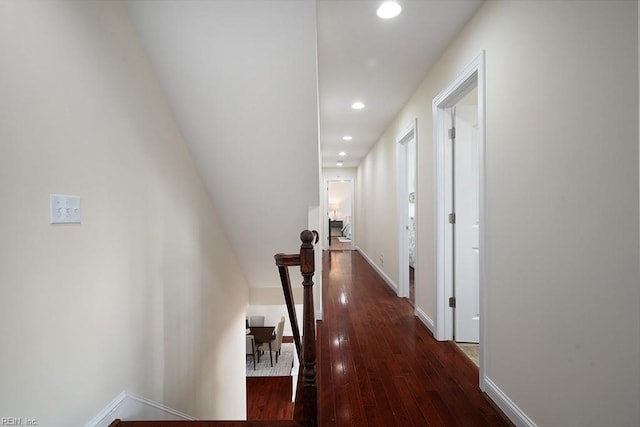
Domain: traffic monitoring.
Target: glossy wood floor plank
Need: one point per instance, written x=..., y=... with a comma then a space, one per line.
x=269, y=398
x=379, y=366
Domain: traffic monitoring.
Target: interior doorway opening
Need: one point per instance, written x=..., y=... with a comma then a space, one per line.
x=339, y=214
x=407, y=184
x=465, y=186
x=459, y=135
x=466, y=313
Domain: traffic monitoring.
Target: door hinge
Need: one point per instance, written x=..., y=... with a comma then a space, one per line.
x=452, y=302
x=452, y=133
x=452, y=218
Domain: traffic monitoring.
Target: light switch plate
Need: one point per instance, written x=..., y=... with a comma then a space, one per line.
x=64, y=209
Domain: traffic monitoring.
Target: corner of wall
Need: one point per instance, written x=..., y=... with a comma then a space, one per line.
x=392, y=285
x=130, y=407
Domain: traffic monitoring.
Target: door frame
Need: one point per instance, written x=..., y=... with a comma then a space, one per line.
x=402, y=142
x=471, y=76
x=346, y=180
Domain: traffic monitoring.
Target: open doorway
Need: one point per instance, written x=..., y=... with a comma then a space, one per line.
x=339, y=214
x=466, y=257
x=407, y=207
x=460, y=258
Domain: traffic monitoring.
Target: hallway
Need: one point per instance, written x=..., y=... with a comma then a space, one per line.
x=378, y=366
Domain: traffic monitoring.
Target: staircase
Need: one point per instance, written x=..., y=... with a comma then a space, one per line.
x=305, y=412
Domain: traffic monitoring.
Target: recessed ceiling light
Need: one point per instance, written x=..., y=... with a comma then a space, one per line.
x=339, y=163
x=347, y=138
x=342, y=153
x=389, y=9
x=357, y=105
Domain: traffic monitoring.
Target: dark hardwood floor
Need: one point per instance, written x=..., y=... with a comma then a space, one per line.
x=337, y=245
x=377, y=364
x=269, y=398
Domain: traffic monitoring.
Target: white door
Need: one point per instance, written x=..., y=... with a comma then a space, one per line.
x=467, y=220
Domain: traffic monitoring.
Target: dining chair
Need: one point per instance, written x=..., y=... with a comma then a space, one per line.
x=276, y=343
x=256, y=321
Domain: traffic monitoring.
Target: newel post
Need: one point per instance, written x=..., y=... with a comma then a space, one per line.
x=309, y=387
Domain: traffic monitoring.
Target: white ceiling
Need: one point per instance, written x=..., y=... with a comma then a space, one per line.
x=380, y=62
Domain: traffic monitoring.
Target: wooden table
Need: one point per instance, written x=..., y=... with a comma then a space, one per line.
x=262, y=335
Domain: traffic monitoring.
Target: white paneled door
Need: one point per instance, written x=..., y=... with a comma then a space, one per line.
x=466, y=236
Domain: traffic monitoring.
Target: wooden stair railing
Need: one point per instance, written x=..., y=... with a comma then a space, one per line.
x=305, y=412
x=306, y=406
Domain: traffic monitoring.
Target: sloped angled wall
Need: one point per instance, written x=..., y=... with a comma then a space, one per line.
x=145, y=295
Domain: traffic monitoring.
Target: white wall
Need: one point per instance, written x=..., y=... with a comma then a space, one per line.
x=241, y=80
x=336, y=174
x=141, y=295
x=562, y=204
x=376, y=216
x=340, y=197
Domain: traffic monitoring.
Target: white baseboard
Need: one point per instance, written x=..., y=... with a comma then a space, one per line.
x=394, y=286
x=510, y=409
x=102, y=417
x=426, y=320
x=130, y=407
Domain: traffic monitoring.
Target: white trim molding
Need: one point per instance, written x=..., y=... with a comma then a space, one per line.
x=425, y=319
x=131, y=407
x=473, y=75
x=392, y=285
x=510, y=409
